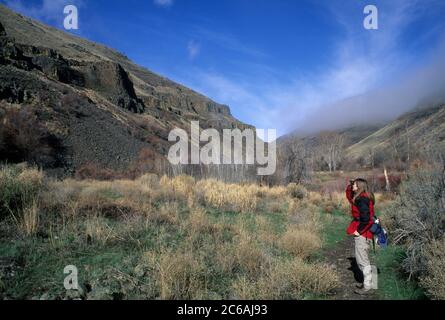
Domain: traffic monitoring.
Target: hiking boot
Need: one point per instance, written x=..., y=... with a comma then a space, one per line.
x=359, y=286
x=363, y=291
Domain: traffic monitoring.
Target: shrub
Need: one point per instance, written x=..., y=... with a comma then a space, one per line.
x=290, y=279
x=299, y=242
x=178, y=275
x=98, y=230
x=239, y=198
x=305, y=215
x=97, y=172
x=24, y=138
x=198, y=222
x=19, y=188
x=249, y=256
x=149, y=180
x=168, y=213
x=417, y=216
x=417, y=221
x=30, y=219
x=434, y=280
x=296, y=191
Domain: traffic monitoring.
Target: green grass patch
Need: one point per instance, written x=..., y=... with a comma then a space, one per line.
x=334, y=228
x=393, y=283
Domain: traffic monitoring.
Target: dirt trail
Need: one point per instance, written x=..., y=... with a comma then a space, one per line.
x=341, y=257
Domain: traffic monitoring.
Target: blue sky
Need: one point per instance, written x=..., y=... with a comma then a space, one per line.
x=284, y=64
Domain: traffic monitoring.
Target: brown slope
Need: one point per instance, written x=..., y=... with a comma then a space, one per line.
x=101, y=105
x=422, y=128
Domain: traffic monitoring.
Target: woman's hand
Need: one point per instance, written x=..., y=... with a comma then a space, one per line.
x=356, y=234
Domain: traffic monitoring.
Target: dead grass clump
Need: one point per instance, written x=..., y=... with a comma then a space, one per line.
x=29, y=221
x=168, y=213
x=296, y=191
x=198, y=222
x=216, y=194
x=316, y=198
x=290, y=279
x=149, y=180
x=279, y=192
x=175, y=189
x=264, y=231
x=244, y=198
x=98, y=230
x=300, y=242
x=32, y=176
x=178, y=275
x=225, y=260
x=271, y=205
x=249, y=256
x=20, y=186
x=305, y=215
x=183, y=185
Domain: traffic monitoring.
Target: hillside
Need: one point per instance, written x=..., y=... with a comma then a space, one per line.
x=93, y=101
x=414, y=131
x=351, y=136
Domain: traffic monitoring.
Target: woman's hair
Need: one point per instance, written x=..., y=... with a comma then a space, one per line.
x=362, y=187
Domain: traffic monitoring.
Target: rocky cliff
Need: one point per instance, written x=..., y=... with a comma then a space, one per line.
x=99, y=105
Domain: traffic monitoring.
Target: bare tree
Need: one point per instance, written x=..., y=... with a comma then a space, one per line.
x=293, y=158
x=331, y=146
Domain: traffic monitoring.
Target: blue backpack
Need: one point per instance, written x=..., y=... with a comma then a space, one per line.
x=380, y=233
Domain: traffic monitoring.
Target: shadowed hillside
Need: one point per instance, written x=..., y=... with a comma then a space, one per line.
x=93, y=101
x=406, y=137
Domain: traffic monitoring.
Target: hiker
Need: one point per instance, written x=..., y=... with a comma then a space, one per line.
x=362, y=206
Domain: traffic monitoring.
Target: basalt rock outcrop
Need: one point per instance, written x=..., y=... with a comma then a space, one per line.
x=101, y=106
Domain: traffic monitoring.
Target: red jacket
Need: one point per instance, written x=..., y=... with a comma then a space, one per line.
x=362, y=211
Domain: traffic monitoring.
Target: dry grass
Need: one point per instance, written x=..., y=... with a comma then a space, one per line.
x=32, y=176
x=296, y=191
x=249, y=256
x=300, y=242
x=305, y=215
x=168, y=213
x=98, y=230
x=198, y=222
x=316, y=198
x=292, y=279
x=230, y=197
x=29, y=223
x=178, y=275
x=149, y=180
x=264, y=231
x=225, y=260
x=190, y=230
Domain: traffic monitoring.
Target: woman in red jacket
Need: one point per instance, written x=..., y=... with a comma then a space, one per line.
x=362, y=207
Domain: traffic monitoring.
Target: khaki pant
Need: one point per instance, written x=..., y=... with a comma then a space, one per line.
x=361, y=255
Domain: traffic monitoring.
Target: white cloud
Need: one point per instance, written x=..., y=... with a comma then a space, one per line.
x=371, y=78
x=227, y=42
x=163, y=3
x=193, y=49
